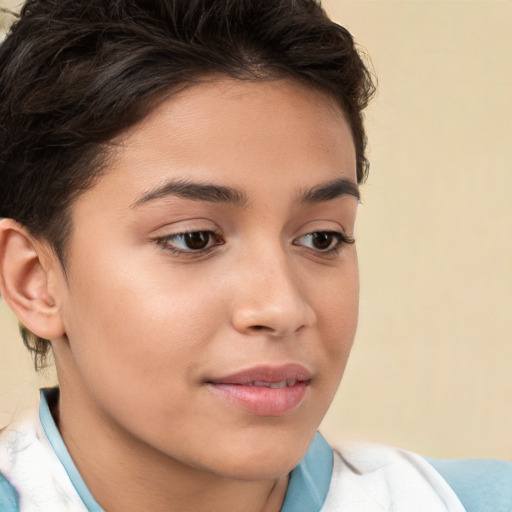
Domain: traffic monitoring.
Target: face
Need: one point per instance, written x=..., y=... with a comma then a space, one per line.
x=211, y=291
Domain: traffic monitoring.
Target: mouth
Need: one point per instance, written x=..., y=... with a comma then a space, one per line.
x=273, y=385
x=264, y=391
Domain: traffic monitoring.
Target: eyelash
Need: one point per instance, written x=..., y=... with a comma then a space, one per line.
x=341, y=239
x=165, y=242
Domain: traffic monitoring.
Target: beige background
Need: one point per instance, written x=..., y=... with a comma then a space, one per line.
x=431, y=368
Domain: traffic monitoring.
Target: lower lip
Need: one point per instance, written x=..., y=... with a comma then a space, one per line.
x=263, y=401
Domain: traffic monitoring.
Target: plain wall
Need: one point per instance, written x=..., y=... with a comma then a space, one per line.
x=431, y=366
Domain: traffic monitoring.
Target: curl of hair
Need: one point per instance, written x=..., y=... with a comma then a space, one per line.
x=38, y=347
x=76, y=73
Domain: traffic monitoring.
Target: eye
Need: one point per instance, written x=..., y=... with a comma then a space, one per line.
x=324, y=241
x=192, y=242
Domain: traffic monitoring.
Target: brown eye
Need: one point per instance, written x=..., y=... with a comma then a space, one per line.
x=324, y=241
x=193, y=242
x=197, y=240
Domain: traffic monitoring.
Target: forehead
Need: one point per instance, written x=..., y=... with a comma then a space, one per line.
x=234, y=133
x=225, y=119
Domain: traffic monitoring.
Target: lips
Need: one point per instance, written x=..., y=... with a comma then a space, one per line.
x=263, y=390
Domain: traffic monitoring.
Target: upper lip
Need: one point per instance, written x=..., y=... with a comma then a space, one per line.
x=270, y=374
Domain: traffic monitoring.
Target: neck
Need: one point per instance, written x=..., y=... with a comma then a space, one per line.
x=124, y=474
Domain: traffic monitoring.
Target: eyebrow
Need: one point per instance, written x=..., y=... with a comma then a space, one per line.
x=194, y=191
x=228, y=195
x=330, y=190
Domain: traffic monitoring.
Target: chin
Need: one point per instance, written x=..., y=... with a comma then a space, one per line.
x=263, y=459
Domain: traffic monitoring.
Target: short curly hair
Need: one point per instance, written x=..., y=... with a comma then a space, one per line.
x=75, y=73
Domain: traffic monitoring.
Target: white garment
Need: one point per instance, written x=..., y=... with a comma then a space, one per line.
x=376, y=478
x=28, y=462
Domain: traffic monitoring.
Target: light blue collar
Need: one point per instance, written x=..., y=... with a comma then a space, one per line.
x=310, y=480
x=307, y=488
x=49, y=396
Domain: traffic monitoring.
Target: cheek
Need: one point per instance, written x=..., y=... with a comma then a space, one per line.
x=337, y=319
x=339, y=305
x=131, y=328
x=138, y=351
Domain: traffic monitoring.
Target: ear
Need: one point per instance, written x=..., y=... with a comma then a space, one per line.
x=27, y=269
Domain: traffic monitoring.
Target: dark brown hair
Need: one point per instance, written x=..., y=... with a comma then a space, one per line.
x=75, y=73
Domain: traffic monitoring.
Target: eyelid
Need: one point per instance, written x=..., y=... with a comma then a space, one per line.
x=164, y=242
x=342, y=240
x=347, y=239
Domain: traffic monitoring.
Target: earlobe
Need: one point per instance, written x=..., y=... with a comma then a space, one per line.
x=24, y=281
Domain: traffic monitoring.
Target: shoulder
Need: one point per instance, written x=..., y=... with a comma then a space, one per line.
x=368, y=477
x=374, y=477
x=31, y=475
x=482, y=485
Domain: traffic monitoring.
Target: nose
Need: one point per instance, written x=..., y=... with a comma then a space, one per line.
x=269, y=299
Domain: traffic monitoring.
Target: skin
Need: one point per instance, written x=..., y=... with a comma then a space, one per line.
x=138, y=329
